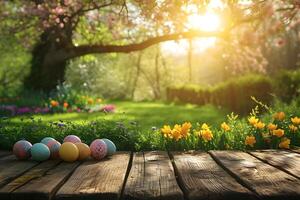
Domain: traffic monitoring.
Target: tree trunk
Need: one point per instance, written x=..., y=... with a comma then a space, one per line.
x=48, y=63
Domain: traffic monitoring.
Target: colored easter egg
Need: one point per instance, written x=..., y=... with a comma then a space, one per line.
x=72, y=138
x=84, y=150
x=53, y=146
x=46, y=140
x=21, y=149
x=111, y=147
x=98, y=149
x=68, y=152
x=40, y=152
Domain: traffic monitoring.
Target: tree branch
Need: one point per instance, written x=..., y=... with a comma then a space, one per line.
x=88, y=49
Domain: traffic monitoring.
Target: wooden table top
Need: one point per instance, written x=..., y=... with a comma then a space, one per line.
x=213, y=175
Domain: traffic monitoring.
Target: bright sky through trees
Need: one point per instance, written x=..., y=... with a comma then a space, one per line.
x=208, y=21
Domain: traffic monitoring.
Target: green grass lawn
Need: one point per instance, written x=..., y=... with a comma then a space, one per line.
x=146, y=114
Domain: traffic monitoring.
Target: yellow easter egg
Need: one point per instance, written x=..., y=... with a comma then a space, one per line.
x=84, y=150
x=68, y=152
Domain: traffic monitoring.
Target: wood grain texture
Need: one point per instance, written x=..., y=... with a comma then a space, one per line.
x=4, y=153
x=284, y=160
x=33, y=173
x=43, y=188
x=11, y=168
x=101, y=180
x=152, y=177
x=267, y=181
x=202, y=178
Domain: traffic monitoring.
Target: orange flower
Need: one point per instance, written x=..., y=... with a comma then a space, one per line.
x=259, y=125
x=279, y=116
x=166, y=131
x=272, y=127
x=206, y=135
x=295, y=120
x=66, y=105
x=278, y=132
x=250, y=140
x=54, y=103
x=285, y=143
x=293, y=128
x=253, y=120
x=176, y=132
x=225, y=126
x=185, y=129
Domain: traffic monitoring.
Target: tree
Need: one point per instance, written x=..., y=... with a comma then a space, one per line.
x=64, y=29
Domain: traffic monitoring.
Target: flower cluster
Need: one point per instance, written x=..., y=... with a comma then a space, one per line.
x=277, y=134
x=79, y=104
x=253, y=133
x=178, y=132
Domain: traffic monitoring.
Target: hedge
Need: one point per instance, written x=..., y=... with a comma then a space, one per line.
x=234, y=94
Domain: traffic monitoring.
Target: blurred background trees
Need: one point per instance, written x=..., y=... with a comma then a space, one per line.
x=45, y=43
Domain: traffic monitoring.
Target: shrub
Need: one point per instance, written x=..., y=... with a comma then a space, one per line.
x=33, y=130
x=287, y=85
x=233, y=94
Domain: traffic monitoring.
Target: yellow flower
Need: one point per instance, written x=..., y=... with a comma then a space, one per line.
x=205, y=126
x=207, y=135
x=166, y=131
x=54, y=103
x=176, y=132
x=293, y=128
x=225, y=126
x=98, y=100
x=185, y=129
x=90, y=101
x=295, y=120
x=285, y=143
x=272, y=127
x=252, y=120
x=279, y=116
x=259, y=125
x=278, y=132
x=250, y=141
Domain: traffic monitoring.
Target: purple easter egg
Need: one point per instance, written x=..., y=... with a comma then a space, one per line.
x=72, y=138
x=21, y=149
x=98, y=149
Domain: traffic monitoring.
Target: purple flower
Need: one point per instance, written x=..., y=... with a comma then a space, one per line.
x=60, y=124
x=23, y=110
x=11, y=108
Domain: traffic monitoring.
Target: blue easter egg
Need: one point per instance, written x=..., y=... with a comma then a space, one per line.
x=40, y=152
x=111, y=147
x=46, y=140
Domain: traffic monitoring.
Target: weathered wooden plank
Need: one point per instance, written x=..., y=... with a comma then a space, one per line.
x=35, y=172
x=43, y=188
x=296, y=150
x=285, y=160
x=11, y=168
x=265, y=180
x=4, y=153
x=202, y=178
x=97, y=179
x=152, y=177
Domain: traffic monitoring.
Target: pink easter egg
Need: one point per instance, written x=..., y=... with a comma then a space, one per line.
x=72, y=138
x=21, y=149
x=53, y=146
x=98, y=149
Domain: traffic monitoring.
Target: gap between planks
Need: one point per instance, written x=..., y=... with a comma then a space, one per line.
x=274, y=165
x=237, y=178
